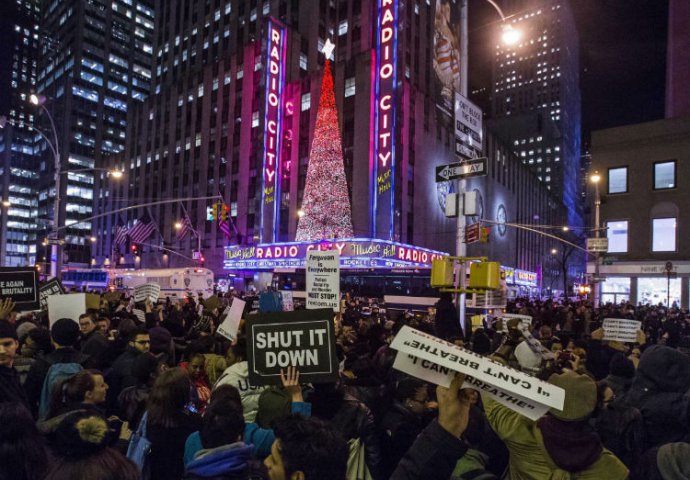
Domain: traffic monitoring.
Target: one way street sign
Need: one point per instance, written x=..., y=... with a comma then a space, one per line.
x=476, y=167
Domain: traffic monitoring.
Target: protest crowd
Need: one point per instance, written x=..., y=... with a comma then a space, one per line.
x=114, y=394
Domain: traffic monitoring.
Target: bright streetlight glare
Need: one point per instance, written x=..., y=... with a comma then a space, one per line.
x=6, y=203
x=178, y=225
x=565, y=228
x=595, y=177
x=35, y=99
x=115, y=173
x=93, y=239
x=554, y=251
x=300, y=213
x=510, y=35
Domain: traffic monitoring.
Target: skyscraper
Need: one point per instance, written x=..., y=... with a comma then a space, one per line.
x=19, y=41
x=100, y=65
x=678, y=59
x=536, y=96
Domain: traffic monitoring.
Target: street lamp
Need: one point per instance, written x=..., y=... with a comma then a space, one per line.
x=510, y=36
x=595, y=179
x=178, y=225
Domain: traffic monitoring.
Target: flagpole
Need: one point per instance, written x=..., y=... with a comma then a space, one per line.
x=194, y=231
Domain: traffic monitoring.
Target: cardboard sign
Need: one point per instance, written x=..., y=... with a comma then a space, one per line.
x=431, y=372
x=323, y=279
x=288, y=304
x=21, y=285
x=141, y=315
x=233, y=316
x=534, y=344
x=514, y=382
x=621, y=330
x=147, y=290
x=304, y=339
x=53, y=287
x=93, y=300
x=66, y=306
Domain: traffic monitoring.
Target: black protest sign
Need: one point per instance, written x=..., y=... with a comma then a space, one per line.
x=53, y=287
x=304, y=339
x=21, y=285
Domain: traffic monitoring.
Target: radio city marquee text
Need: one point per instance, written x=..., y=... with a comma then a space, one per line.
x=274, y=100
x=384, y=95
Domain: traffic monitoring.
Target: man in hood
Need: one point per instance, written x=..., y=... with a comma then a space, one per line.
x=561, y=444
x=237, y=375
x=659, y=392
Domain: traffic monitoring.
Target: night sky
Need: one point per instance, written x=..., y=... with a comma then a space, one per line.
x=622, y=58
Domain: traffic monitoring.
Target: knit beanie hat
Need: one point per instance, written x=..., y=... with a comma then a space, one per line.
x=7, y=330
x=672, y=461
x=274, y=403
x=621, y=366
x=161, y=340
x=580, y=395
x=81, y=434
x=529, y=360
x=65, y=332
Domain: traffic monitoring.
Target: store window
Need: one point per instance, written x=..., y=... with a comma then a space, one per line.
x=664, y=175
x=655, y=290
x=617, y=233
x=618, y=180
x=664, y=234
x=615, y=290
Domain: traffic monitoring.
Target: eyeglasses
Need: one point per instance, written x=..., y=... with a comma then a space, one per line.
x=143, y=342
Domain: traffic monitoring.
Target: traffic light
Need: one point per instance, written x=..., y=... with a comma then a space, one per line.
x=484, y=234
x=224, y=212
x=212, y=212
x=135, y=249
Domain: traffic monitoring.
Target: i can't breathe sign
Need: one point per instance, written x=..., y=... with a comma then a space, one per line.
x=282, y=340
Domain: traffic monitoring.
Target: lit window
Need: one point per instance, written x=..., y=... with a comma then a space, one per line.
x=350, y=87
x=342, y=28
x=664, y=234
x=664, y=175
x=617, y=234
x=306, y=101
x=618, y=180
x=255, y=119
x=303, y=61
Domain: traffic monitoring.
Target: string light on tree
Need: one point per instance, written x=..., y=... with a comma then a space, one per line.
x=326, y=211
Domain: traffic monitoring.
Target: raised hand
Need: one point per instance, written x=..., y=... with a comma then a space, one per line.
x=453, y=406
x=290, y=380
x=6, y=307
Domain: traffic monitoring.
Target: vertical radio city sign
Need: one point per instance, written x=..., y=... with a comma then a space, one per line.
x=383, y=103
x=273, y=117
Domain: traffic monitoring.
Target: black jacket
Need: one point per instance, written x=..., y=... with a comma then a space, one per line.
x=120, y=376
x=39, y=370
x=96, y=346
x=399, y=429
x=10, y=388
x=432, y=456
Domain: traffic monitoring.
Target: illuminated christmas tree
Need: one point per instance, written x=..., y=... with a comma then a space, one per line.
x=326, y=212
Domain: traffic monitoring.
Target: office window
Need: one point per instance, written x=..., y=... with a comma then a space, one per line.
x=664, y=235
x=306, y=101
x=617, y=233
x=350, y=87
x=664, y=175
x=618, y=180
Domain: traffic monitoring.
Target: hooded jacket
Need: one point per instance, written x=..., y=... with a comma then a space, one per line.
x=567, y=456
x=228, y=462
x=237, y=375
x=659, y=392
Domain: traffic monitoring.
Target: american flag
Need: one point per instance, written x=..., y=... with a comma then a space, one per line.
x=120, y=233
x=185, y=228
x=142, y=229
x=225, y=227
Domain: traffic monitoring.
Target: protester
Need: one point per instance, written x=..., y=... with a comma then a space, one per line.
x=237, y=375
x=169, y=423
x=36, y=344
x=132, y=400
x=93, y=343
x=120, y=374
x=10, y=387
x=23, y=454
x=85, y=390
x=447, y=325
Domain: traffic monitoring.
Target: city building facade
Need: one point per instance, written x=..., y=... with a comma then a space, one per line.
x=644, y=210
x=19, y=40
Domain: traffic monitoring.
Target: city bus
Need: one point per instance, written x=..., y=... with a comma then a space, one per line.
x=174, y=282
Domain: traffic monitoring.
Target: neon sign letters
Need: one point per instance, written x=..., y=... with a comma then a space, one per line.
x=273, y=117
x=383, y=107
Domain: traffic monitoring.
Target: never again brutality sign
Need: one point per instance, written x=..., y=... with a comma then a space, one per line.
x=445, y=354
x=323, y=279
x=304, y=339
x=21, y=285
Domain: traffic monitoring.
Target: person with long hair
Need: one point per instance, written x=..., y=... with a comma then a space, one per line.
x=84, y=391
x=23, y=454
x=170, y=420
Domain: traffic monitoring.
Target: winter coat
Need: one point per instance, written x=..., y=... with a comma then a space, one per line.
x=96, y=346
x=120, y=375
x=399, y=429
x=228, y=462
x=578, y=453
x=131, y=404
x=10, y=388
x=432, y=456
x=447, y=320
x=659, y=392
x=237, y=375
x=167, y=446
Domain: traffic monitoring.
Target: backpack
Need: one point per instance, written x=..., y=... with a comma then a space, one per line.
x=139, y=448
x=57, y=373
x=356, y=462
x=621, y=428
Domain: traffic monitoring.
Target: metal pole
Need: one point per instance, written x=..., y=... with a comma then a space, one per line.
x=668, y=288
x=460, y=245
x=597, y=234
